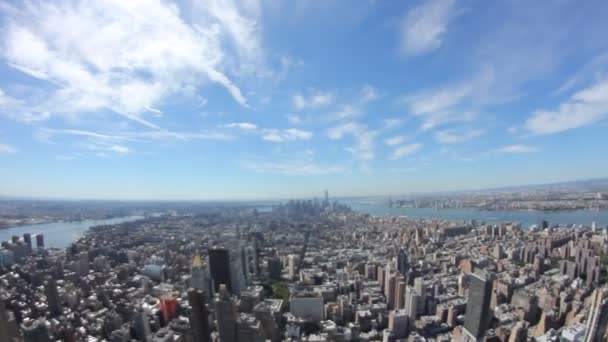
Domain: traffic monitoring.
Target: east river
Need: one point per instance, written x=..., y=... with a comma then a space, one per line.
x=526, y=218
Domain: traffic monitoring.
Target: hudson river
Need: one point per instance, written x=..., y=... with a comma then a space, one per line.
x=60, y=234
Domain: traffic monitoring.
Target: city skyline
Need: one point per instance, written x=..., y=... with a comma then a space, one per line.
x=253, y=100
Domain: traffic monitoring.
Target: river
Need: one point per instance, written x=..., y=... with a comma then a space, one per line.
x=60, y=234
x=526, y=218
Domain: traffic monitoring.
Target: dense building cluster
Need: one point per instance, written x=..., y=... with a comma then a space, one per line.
x=307, y=271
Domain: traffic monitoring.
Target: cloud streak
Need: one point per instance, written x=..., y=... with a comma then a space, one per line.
x=516, y=149
x=584, y=108
x=405, y=150
x=141, y=52
x=290, y=168
x=424, y=26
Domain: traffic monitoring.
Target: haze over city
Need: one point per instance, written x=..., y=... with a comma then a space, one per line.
x=281, y=99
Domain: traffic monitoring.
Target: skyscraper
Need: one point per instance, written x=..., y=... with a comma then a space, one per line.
x=411, y=304
x=199, y=319
x=28, y=240
x=478, y=314
x=199, y=277
x=402, y=262
x=597, y=319
x=52, y=296
x=225, y=314
x=219, y=267
x=40, y=241
x=4, y=336
x=142, y=326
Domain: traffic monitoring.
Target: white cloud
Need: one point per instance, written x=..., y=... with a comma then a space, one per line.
x=4, y=148
x=424, y=26
x=405, y=150
x=517, y=148
x=315, y=99
x=337, y=132
x=294, y=119
x=392, y=123
x=126, y=56
x=369, y=93
x=290, y=168
x=241, y=125
x=455, y=102
x=290, y=134
x=450, y=137
x=346, y=112
x=394, y=141
x=364, y=147
x=119, y=149
x=584, y=108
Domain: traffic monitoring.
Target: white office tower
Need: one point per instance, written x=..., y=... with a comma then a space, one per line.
x=597, y=319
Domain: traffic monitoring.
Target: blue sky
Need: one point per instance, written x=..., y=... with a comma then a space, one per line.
x=225, y=99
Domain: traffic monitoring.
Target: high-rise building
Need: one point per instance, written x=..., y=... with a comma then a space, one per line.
x=402, y=262
x=4, y=336
x=391, y=291
x=142, y=326
x=400, y=293
x=27, y=237
x=291, y=264
x=52, y=296
x=274, y=268
x=411, y=304
x=40, y=241
x=225, y=314
x=597, y=319
x=199, y=276
x=478, y=314
x=398, y=323
x=199, y=319
x=219, y=267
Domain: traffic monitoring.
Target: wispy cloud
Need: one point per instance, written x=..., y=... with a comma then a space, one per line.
x=294, y=119
x=141, y=53
x=517, y=148
x=4, y=148
x=356, y=107
x=454, y=137
x=595, y=70
x=312, y=100
x=405, y=150
x=394, y=141
x=392, y=123
x=241, y=125
x=290, y=134
x=290, y=167
x=363, y=150
x=456, y=102
x=424, y=26
x=584, y=108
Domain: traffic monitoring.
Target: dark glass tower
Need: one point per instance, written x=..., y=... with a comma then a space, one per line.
x=402, y=263
x=478, y=315
x=52, y=296
x=219, y=267
x=199, y=319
